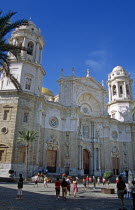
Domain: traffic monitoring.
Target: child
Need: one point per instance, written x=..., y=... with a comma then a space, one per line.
x=20, y=186
x=57, y=188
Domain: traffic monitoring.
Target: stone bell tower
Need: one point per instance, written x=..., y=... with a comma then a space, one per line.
x=28, y=70
x=120, y=94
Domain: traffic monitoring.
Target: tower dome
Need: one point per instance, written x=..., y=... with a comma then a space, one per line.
x=118, y=68
x=47, y=92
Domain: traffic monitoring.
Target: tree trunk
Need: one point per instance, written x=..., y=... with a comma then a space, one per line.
x=26, y=162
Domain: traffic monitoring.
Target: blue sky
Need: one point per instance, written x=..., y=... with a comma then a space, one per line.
x=94, y=34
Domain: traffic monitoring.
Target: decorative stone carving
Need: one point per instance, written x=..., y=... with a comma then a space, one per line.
x=115, y=152
x=52, y=144
x=114, y=135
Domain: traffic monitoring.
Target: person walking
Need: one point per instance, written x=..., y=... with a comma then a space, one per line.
x=98, y=180
x=94, y=182
x=121, y=186
x=75, y=187
x=64, y=189
x=36, y=180
x=84, y=183
x=87, y=181
x=45, y=181
x=57, y=189
x=69, y=185
x=133, y=193
x=104, y=181
x=20, y=186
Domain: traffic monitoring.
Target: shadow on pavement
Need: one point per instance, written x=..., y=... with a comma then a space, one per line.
x=34, y=200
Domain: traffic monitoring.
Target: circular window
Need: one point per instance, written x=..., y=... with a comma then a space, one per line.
x=114, y=135
x=53, y=122
x=4, y=130
x=85, y=109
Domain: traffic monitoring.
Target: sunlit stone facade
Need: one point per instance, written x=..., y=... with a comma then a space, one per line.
x=78, y=132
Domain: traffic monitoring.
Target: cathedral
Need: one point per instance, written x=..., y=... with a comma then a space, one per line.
x=78, y=132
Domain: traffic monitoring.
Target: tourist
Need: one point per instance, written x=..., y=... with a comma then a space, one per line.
x=45, y=181
x=69, y=185
x=117, y=179
x=20, y=186
x=57, y=188
x=87, y=181
x=94, y=182
x=77, y=179
x=104, y=181
x=129, y=190
x=98, y=180
x=36, y=180
x=121, y=186
x=90, y=179
x=75, y=187
x=84, y=183
x=63, y=176
x=133, y=193
x=64, y=189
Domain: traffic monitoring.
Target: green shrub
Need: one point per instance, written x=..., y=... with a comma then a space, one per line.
x=107, y=175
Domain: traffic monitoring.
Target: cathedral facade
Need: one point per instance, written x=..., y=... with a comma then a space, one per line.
x=78, y=133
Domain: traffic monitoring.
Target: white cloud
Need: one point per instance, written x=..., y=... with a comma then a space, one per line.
x=92, y=63
x=97, y=60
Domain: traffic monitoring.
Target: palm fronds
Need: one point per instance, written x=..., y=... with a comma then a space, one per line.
x=6, y=26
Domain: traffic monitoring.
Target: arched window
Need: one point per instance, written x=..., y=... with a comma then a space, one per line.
x=121, y=89
x=127, y=89
x=20, y=45
x=30, y=48
x=114, y=89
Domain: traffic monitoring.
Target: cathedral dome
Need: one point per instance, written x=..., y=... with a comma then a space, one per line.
x=46, y=91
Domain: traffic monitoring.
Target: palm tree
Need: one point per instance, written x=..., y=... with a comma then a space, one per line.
x=27, y=137
x=6, y=26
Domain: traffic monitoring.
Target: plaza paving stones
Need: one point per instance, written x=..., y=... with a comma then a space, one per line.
x=44, y=198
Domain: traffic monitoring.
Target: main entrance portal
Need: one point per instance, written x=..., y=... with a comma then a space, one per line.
x=51, y=160
x=86, y=161
x=115, y=165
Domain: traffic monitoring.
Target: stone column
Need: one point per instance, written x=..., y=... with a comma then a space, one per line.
x=24, y=45
x=81, y=157
x=109, y=93
x=99, y=158
x=37, y=53
x=117, y=90
x=125, y=90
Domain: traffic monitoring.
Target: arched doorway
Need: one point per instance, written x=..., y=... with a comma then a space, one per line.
x=86, y=161
x=115, y=165
x=51, y=160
